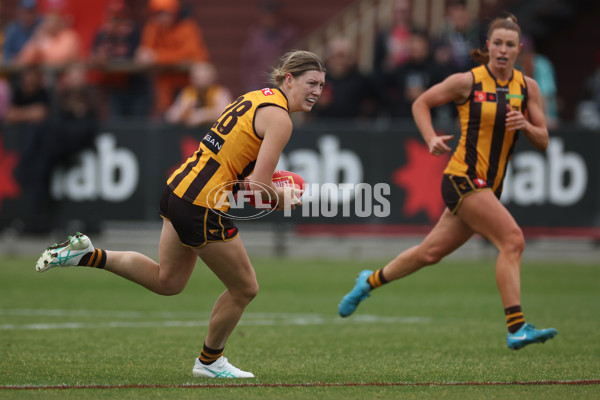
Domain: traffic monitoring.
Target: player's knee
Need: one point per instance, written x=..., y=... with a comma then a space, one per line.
x=514, y=242
x=170, y=286
x=170, y=290
x=247, y=293
x=251, y=291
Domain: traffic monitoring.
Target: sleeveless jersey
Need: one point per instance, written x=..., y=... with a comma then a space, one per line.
x=226, y=154
x=485, y=145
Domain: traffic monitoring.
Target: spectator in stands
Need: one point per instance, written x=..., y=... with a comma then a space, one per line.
x=4, y=97
x=1, y=39
x=442, y=67
x=53, y=43
x=28, y=114
x=170, y=40
x=408, y=81
x=20, y=31
x=265, y=42
x=347, y=92
x=588, y=109
x=115, y=43
x=540, y=68
x=202, y=101
x=392, y=43
x=463, y=32
x=30, y=101
x=75, y=118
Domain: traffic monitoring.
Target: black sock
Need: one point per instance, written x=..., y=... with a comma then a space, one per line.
x=96, y=259
x=377, y=279
x=514, y=318
x=209, y=356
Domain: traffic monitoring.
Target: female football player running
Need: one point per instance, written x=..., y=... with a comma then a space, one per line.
x=248, y=137
x=495, y=102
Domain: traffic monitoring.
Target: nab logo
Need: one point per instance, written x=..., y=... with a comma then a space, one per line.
x=267, y=92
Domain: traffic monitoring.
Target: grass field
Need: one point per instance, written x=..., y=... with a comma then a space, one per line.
x=87, y=334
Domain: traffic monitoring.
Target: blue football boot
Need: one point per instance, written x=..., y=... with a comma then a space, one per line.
x=360, y=292
x=527, y=334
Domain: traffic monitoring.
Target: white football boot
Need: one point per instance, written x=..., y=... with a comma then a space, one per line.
x=219, y=369
x=65, y=254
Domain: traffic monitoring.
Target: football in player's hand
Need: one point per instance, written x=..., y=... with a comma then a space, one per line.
x=282, y=178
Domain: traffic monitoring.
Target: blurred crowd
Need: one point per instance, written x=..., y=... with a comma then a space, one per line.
x=135, y=70
x=161, y=67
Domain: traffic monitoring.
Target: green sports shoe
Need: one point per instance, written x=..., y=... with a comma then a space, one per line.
x=527, y=334
x=65, y=254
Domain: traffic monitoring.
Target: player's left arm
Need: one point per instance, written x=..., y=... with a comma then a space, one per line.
x=274, y=125
x=533, y=123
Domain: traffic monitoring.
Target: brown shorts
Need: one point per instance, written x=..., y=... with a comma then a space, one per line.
x=195, y=225
x=455, y=188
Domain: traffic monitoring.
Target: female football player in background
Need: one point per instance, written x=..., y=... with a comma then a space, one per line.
x=248, y=137
x=495, y=102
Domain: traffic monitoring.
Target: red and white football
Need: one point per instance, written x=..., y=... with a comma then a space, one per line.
x=282, y=178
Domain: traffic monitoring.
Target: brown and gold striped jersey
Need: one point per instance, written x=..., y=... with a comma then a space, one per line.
x=227, y=153
x=485, y=145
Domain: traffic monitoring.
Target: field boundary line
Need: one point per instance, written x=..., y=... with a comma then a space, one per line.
x=132, y=319
x=310, y=384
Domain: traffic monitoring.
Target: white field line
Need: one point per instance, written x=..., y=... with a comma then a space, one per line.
x=134, y=319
